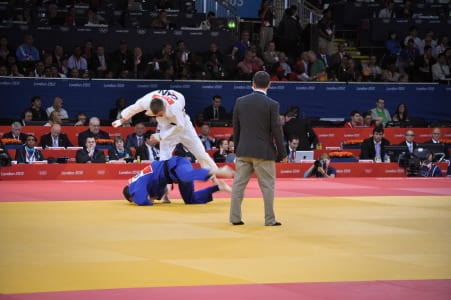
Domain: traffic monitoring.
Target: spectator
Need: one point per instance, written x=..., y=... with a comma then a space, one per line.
x=55, y=118
x=215, y=111
x=324, y=56
x=54, y=138
x=374, y=147
x=58, y=106
x=407, y=58
x=371, y=71
x=89, y=153
x=355, y=121
x=250, y=64
x=321, y=168
x=208, y=141
x=401, y=114
x=214, y=63
x=115, y=113
x=16, y=133
x=405, y=11
x=122, y=59
x=317, y=67
x=76, y=61
x=36, y=106
x=53, y=18
x=423, y=66
x=93, y=131
x=326, y=30
x=337, y=57
x=267, y=18
x=271, y=55
x=164, y=5
x=118, y=151
x=440, y=70
x=442, y=46
x=223, y=153
x=58, y=56
x=161, y=22
x=380, y=113
x=241, y=47
x=27, y=117
x=393, y=47
x=27, y=153
x=99, y=62
x=27, y=52
x=4, y=48
x=15, y=72
x=392, y=74
x=140, y=63
x=94, y=18
x=206, y=24
x=389, y=11
x=289, y=32
x=367, y=120
x=81, y=119
x=413, y=35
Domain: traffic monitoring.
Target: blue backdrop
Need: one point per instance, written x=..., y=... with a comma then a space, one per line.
x=328, y=100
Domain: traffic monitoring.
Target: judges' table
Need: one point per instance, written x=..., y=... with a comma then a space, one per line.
x=124, y=171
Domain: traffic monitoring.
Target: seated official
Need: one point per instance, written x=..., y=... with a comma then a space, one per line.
x=119, y=152
x=148, y=150
x=89, y=153
x=374, y=147
x=55, y=138
x=93, y=130
x=321, y=168
x=27, y=153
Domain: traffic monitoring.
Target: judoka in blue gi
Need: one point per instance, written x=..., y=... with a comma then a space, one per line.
x=151, y=183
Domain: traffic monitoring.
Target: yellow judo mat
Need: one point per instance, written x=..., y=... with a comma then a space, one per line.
x=83, y=245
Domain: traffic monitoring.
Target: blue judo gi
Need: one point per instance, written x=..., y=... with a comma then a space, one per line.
x=154, y=178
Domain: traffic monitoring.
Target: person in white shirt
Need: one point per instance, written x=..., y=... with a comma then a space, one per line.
x=440, y=70
x=174, y=125
x=388, y=12
x=58, y=106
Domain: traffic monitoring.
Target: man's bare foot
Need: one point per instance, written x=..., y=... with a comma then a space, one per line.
x=225, y=172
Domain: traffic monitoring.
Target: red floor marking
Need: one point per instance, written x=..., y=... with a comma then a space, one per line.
x=47, y=190
x=371, y=290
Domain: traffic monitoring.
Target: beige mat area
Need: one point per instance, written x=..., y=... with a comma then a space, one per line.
x=79, y=245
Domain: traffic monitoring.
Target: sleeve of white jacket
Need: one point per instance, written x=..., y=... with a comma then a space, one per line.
x=140, y=105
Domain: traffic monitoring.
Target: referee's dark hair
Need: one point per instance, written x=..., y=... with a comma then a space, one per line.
x=261, y=79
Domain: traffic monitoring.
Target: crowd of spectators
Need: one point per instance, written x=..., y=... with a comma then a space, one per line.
x=280, y=50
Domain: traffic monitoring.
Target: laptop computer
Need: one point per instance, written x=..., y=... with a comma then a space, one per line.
x=303, y=155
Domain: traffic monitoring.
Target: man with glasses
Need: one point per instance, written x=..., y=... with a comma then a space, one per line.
x=409, y=142
x=380, y=113
x=94, y=131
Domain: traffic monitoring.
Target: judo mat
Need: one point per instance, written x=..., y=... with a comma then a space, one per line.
x=343, y=238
